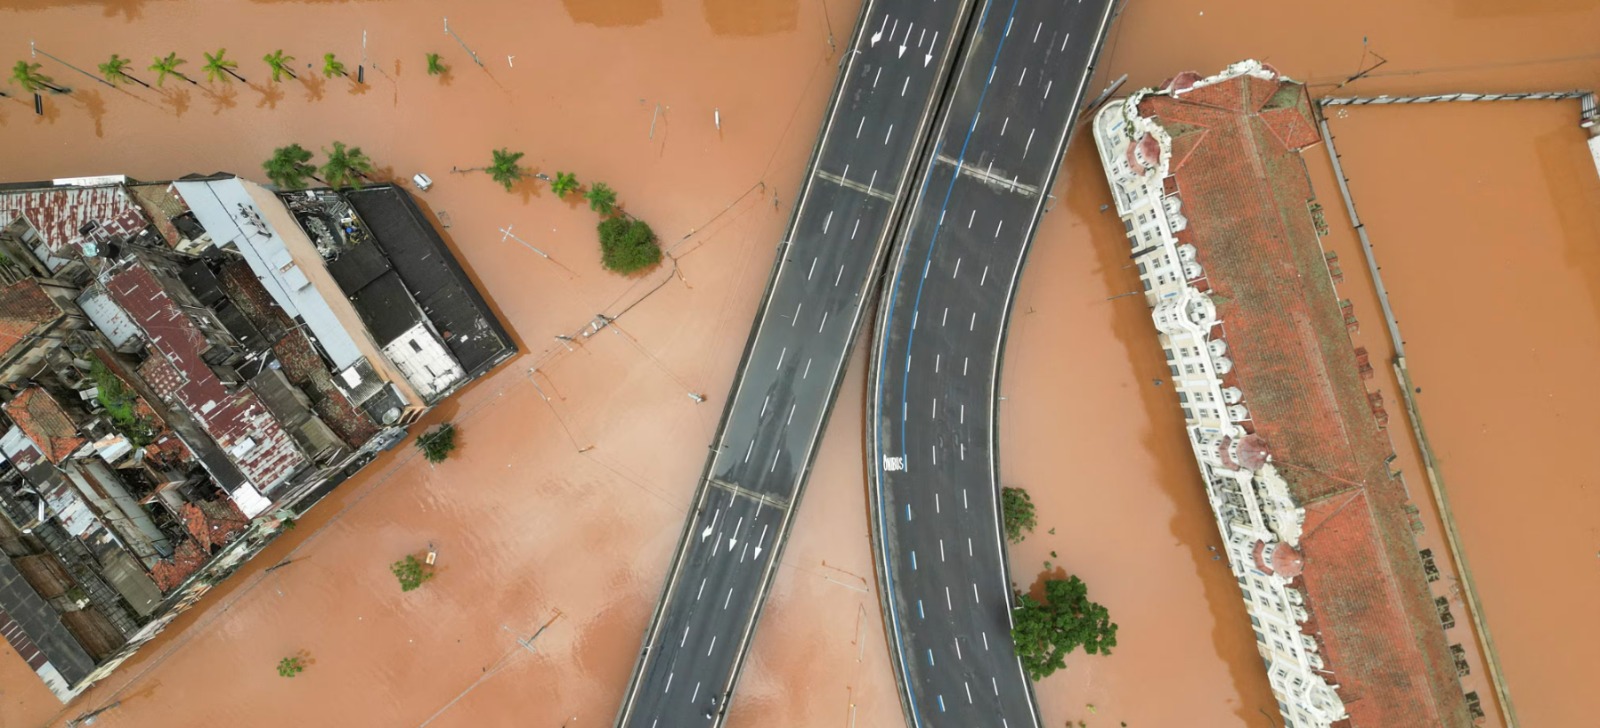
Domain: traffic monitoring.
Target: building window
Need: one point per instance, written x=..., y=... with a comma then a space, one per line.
x=1182, y=397
x=1168, y=352
x=1429, y=566
x=1475, y=706
x=1255, y=621
x=1261, y=638
x=1442, y=605
x=1460, y=654
x=415, y=346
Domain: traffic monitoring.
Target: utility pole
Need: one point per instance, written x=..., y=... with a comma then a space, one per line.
x=463, y=43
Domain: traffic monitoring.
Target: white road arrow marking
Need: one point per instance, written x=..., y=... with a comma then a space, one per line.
x=707, y=532
x=906, y=39
x=760, y=541
x=879, y=35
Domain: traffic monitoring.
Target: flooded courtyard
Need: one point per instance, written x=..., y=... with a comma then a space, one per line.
x=575, y=469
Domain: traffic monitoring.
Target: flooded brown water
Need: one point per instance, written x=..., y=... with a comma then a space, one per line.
x=1494, y=275
x=527, y=526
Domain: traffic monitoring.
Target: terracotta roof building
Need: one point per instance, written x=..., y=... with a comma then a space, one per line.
x=25, y=311
x=44, y=422
x=1292, y=447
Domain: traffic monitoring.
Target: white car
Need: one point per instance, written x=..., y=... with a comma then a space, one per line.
x=423, y=181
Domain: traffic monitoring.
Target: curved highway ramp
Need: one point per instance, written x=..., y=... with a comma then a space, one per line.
x=934, y=381
x=889, y=89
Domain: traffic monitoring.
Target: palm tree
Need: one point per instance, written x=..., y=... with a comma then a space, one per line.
x=602, y=198
x=28, y=76
x=288, y=167
x=116, y=71
x=346, y=167
x=168, y=66
x=563, y=183
x=331, y=66
x=279, y=63
x=436, y=67
x=504, y=169
x=218, y=68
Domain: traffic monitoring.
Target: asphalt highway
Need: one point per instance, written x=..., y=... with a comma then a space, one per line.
x=932, y=406
x=876, y=131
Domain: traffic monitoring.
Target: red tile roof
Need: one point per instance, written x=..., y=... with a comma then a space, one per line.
x=234, y=417
x=45, y=423
x=1245, y=194
x=212, y=523
x=186, y=559
x=24, y=309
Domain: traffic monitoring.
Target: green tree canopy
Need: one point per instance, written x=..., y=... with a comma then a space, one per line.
x=627, y=245
x=411, y=572
x=219, y=68
x=436, y=67
x=27, y=76
x=331, y=66
x=563, y=183
x=168, y=66
x=1017, y=508
x=505, y=168
x=115, y=71
x=438, y=444
x=279, y=63
x=602, y=198
x=289, y=166
x=346, y=166
x=291, y=666
x=1045, y=631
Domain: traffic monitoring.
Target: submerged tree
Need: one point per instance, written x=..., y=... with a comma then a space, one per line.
x=331, y=66
x=1045, y=631
x=1016, y=507
x=279, y=63
x=219, y=68
x=291, y=666
x=289, y=166
x=602, y=198
x=27, y=76
x=627, y=245
x=346, y=166
x=168, y=66
x=563, y=183
x=438, y=444
x=411, y=572
x=436, y=67
x=116, y=71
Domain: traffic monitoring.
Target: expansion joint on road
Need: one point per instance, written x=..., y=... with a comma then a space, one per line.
x=857, y=186
x=988, y=177
x=737, y=490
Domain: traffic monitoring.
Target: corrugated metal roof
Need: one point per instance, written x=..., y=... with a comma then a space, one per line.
x=58, y=213
x=229, y=213
x=108, y=317
x=236, y=420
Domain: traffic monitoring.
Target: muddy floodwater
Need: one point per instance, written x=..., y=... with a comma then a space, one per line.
x=560, y=509
x=1494, y=273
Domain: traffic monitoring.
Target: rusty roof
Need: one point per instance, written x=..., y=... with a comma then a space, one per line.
x=1245, y=193
x=24, y=309
x=41, y=418
x=233, y=416
x=58, y=213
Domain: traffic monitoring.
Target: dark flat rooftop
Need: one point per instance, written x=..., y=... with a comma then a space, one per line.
x=36, y=631
x=419, y=256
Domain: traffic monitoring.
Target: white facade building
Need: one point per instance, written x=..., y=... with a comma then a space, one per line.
x=1256, y=515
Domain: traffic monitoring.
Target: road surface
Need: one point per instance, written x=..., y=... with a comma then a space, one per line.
x=936, y=359
x=893, y=77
